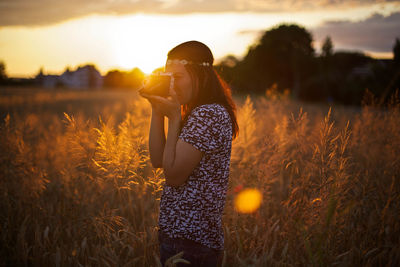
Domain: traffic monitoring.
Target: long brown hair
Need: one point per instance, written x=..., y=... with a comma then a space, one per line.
x=210, y=86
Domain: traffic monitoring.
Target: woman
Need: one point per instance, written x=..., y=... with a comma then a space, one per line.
x=195, y=155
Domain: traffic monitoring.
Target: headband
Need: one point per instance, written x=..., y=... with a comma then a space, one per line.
x=184, y=62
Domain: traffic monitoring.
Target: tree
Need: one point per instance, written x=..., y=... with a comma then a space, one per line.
x=226, y=67
x=325, y=78
x=229, y=61
x=396, y=52
x=113, y=78
x=284, y=55
x=134, y=78
x=123, y=79
x=93, y=75
x=327, y=47
x=395, y=80
x=3, y=75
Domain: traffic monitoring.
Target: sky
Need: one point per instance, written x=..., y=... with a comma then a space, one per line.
x=124, y=34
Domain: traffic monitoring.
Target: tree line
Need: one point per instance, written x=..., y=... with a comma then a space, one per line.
x=284, y=58
x=114, y=79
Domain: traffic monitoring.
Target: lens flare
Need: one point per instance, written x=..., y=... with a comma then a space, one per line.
x=248, y=200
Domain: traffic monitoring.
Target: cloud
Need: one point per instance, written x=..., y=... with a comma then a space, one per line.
x=43, y=12
x=376, y=33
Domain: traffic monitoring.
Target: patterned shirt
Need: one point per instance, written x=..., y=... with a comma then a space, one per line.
x=194, y=209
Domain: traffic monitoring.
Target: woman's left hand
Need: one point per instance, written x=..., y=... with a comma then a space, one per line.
x=168, y=106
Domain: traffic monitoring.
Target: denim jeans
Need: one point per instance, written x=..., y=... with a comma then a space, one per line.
x=197, y=254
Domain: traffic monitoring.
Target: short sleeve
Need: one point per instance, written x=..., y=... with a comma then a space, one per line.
x=203, y=129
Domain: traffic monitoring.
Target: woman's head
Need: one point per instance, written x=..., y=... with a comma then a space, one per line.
x=196, y=81
x=183, y=83
x=189, y=61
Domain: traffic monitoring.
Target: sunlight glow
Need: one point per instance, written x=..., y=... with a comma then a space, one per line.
x=248, y=200
x=144, y=40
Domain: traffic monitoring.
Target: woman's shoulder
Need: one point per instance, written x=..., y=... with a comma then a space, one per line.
x=212, y=114
x=212, y=109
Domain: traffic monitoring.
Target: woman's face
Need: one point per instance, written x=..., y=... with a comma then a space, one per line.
x=183, y=83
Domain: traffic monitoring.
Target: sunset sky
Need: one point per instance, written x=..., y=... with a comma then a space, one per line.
x=125, y=34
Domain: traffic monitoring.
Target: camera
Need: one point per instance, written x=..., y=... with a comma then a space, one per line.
x=159, y=84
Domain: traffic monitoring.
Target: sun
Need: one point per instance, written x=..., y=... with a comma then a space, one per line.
x=144, y=40
x=139, y=41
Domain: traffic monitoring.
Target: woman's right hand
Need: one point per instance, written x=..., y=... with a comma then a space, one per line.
x=155, y=110
x=154, y=107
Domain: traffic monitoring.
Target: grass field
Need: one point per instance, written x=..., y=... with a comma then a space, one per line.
x=77, y=187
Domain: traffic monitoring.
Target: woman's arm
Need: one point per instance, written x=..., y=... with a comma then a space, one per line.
x=156, y=139
x=180, y=158
x=176, y=157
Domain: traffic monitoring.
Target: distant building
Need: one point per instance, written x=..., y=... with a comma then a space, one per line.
x=50, y=81
x=84, y=77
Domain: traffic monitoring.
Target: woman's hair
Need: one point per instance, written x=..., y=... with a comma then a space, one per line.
x=211, y=88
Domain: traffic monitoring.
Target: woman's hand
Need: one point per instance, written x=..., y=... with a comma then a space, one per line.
x=169, y=107
x=155, y=110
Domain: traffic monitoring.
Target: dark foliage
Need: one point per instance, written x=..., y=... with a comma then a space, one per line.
x=284, y=56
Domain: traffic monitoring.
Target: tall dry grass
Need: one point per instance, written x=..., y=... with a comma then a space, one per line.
x=80, y=190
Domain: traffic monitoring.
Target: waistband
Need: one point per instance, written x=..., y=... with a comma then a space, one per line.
x=163, y=237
